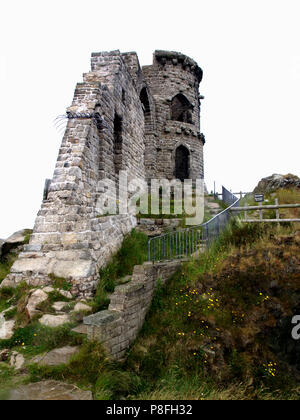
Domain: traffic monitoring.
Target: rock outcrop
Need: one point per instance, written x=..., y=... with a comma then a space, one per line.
x=49, y=391
x=6, y=328
x=15, y=240
x=56, y=357
x=54, y=320
x=36, y=298
x=276, y=182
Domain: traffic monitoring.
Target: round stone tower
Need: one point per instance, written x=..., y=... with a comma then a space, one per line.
x=173, y=81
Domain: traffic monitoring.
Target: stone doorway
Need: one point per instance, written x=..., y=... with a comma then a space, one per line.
x=182, y=158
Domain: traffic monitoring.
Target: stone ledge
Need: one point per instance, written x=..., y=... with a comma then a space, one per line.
x=101, y=318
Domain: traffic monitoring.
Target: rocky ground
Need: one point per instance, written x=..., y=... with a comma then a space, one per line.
x=276, y=182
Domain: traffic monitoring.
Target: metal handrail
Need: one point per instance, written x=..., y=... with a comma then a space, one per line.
x=186, y=242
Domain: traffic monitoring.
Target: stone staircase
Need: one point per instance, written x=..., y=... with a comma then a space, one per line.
x=212, y=206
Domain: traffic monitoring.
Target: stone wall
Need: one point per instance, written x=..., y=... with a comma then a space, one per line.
x=172, y=74
x=69, y=239
x=156, y=227
x=137, y=134
x=117, y=327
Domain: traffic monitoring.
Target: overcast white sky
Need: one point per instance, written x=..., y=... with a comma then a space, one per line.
x=249, y=52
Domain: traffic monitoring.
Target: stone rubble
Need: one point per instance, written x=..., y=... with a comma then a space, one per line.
x=17, y=360
x=54, y=320
x=6, y=328
x=4, y=355
x=82, y=307
x=35, y=298
x=117, y=327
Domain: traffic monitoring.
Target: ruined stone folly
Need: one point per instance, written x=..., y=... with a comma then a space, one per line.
x=143, y=120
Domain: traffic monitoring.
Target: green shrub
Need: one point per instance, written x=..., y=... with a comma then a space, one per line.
x=116, y=384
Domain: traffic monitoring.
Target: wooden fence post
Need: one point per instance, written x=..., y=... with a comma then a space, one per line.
x=246, y=214
x=277, y=210
x=260, y=211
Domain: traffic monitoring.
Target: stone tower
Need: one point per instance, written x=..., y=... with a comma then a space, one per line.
x=145, y=121
x=173, y=81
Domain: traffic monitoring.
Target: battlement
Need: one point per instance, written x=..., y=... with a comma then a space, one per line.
x=177, y=58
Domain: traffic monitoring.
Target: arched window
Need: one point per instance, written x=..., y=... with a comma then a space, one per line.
x=118, y=143
x=146, y=108
x=181, y=109
x=182, y=163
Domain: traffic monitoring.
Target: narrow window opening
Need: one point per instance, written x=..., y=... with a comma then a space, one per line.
x=146, y=108
x=182, y=163
x=118, y=143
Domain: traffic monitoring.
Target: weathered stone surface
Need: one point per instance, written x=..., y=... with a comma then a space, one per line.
x=49, y=391
x=156, y=227
x=101, y=318
x=66, y=294
x=74, y=269
x=13, y=241
x=117, y=327
x=277, y=181
x=59, y=306
x=17, y=360
x=36, y=298
x=54, y=320
x=80, y=329
x=56, y=357
x=82, y=307
x=137, y=105
x=4, y=354
x=48, y=289
x=40, y=265
x=6, y=328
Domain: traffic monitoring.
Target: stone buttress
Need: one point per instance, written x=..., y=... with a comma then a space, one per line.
x=148, y=124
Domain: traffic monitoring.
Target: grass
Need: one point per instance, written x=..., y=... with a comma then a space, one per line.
x=178, y=353
x=55, y=296
x=218, y=329
x=134, y=251
x=37, y=338
x=60, y=283
x=284, y=196
x=6, y=264
x=84, y=368
x=7, y=380
x=191, y=345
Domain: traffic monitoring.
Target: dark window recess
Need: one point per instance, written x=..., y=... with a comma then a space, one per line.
x=146, y=108
x=182, y=163
x=181, y=109
x=123, y=96
x=118, y=143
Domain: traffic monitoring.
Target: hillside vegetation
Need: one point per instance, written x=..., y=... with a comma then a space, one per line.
x=219, y=329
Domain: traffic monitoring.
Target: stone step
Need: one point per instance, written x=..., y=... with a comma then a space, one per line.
x=49, y=391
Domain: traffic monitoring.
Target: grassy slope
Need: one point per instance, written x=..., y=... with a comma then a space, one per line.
x=219, y=329
x=216, y=325
x=212, y=332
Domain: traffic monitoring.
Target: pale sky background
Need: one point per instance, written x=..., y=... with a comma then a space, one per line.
x=249, y=52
